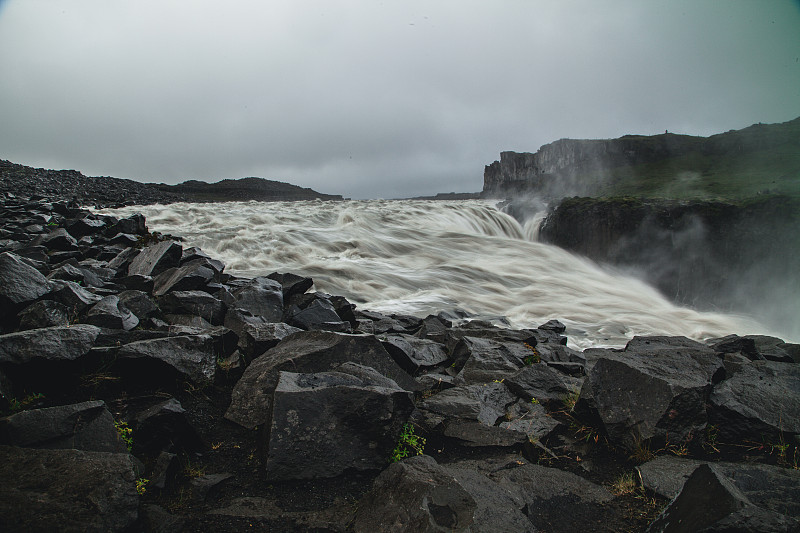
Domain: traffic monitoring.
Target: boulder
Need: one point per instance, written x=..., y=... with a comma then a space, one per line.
x=111, y=313
x=553, y=325
x=261, y=297
x=58, y=239
x=164, y=428
x=84, y=426
x=413, y=353
x=85, y=226
x=73, y=296
x=292, y=284
x=20, y=283
x=44, y=314
x=543, y=383
x=139, y=303
x=773, y=488
x=709, y=501
x=760, y=400
x=155, y=259
x=327, y=422
x=255, y=339
x=306, y=352
x=191, y=355
x=419, y=495
x=55, y=343
x=319, y=315
x=198, y=303
x=481, y=360
x=189, y=277
x=656, y=388
x=66, y=490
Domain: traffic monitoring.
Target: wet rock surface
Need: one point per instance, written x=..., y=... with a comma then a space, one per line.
x=140, y=376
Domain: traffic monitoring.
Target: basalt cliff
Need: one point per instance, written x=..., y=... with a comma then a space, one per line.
x=763, y=158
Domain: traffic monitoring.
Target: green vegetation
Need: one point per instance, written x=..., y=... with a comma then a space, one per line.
x=125, y=434
x=141, y=486
x=407, y=443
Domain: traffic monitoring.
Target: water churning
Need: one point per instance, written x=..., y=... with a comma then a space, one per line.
x=423, y=257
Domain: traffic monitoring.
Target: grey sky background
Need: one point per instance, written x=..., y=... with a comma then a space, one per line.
x=373, y=99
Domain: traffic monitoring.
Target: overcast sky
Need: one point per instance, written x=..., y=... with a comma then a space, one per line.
x=375, y=99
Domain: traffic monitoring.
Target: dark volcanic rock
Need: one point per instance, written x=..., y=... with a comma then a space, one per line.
x=656, y=387
x=111, y=313
x=709, y=501
x=413, y=353
x=44, y=314
x=761, y=399
x=419, y=495
x=155, y=259
x=56, y=343
x=325, y=423
x=307, y=352
x=189, y=277
x=20, y=283
x=85, y=426
x=164, y=427
x=261, y=297
x=66, y=490
x=191, y=355
x=198, y=303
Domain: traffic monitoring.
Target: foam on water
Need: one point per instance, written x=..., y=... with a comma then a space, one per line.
x=422, y=257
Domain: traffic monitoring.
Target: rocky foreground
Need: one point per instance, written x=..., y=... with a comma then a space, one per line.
x=144, y=389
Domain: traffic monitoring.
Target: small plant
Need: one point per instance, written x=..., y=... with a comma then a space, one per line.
x=19, y=405
x=125, y=434
x=641, y=451
x=193, y=471
x=570, y=400
x=141, y=486
x=534, y=401
x=534, y=358
x=712, y=434
x=406, y=443
x=624, y=484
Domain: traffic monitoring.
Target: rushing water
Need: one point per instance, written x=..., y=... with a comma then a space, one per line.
x=422, y=257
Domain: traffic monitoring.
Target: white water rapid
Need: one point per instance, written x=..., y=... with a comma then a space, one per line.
x=422, y=257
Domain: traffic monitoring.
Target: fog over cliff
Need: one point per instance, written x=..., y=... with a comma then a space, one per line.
x=365, y=99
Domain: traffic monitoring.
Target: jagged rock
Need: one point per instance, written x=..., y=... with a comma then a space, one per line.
x=84, y=426
x=761, y=399
x=656, y=387
x=255, y=339
x=529, y=419
x=321, y=315
x=66, y=490
x=413, y=353
x=111, y=313
x=121, y=262
x=292, y=284
x=85, y=226
x=552, y=499
x=553, y=325
x=191, y=355
x=327, y=422
x=56, y=343
x=709, y=501
x=773, y=488
x=139, y=303
x=44, y=314
x=164, y=427
x=306, y=352
x=134, y=224
x=198, y=303
x=434, y=328
x=261, y=297
x=484, y=403
x=20, y=283
x=770, y=348
x=544, y=383
x=189, y=277
x=58, y=239
x=164, y=470
x=72, y=295
x=382, y=323
x=155, y=259
x=419, y=495
x=482, y=360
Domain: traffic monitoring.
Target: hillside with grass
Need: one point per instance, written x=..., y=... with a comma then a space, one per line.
x=762, y=159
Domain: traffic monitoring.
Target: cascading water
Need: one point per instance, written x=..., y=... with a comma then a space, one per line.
x=423, y=257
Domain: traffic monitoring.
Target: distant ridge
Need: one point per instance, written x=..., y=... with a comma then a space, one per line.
x=760, y=159
x=25, y=181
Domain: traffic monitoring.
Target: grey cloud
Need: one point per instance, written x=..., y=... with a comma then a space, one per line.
x=374, y=99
